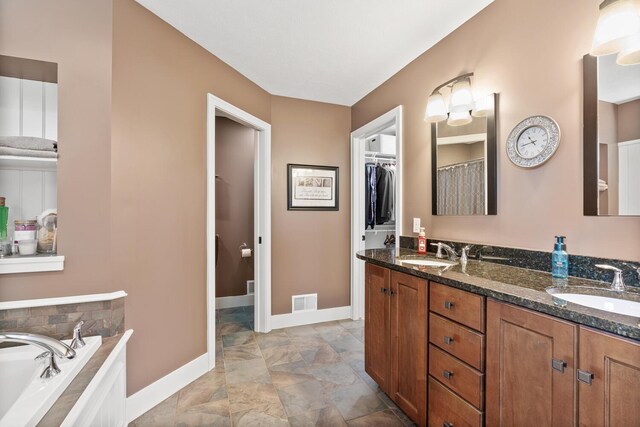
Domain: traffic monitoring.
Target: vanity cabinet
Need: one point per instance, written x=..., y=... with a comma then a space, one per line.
x=608, y=380
x=396, y=338
x=531, y=365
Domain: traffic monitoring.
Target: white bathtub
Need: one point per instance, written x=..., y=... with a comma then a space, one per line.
x=24, y=397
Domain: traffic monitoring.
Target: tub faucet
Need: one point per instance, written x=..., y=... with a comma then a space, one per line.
x=51, y=346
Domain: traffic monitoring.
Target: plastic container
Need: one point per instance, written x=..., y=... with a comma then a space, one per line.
x=27, y=247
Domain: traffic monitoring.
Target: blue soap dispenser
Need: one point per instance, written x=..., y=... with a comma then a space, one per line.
x=560, y=259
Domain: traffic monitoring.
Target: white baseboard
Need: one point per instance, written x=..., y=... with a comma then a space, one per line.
x=288, y=320
x=236, y=301
x=145, y=399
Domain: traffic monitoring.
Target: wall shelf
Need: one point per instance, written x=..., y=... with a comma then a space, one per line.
x=31, y=264
x=28, y=163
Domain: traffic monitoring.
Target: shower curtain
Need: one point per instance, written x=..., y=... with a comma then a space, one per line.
x=461, y=189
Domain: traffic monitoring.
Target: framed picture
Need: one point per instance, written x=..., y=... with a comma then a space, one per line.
x=312, y=188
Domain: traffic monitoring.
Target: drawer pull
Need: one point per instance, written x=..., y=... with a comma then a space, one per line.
x=448, y=340
x=558, y=365
x=391, y=293
x=446, y=424
x=448, y=305
x=383, y=290
x=585, y=376
x=447, y=374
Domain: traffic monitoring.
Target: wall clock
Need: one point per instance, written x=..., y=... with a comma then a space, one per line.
x=533, y=141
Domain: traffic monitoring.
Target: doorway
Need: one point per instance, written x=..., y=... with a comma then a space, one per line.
x=217, y=112
x=376, y=146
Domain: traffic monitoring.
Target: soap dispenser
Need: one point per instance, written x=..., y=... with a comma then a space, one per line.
x=560, y=259
x=422, y=241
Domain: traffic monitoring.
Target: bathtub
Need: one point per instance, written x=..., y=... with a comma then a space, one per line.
x=24, y=397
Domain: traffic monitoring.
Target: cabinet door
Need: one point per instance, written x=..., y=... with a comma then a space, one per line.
x=377, y=361
x=530, y=368
x=613, y=397
x=409, y=345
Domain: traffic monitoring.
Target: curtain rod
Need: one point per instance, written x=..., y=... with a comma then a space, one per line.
x=466, y=162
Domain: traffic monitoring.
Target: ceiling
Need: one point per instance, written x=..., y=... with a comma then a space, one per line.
x=334, y=51
x=617, y=84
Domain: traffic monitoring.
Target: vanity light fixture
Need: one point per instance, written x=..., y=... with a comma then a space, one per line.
x=460, y=103
x=618, y=31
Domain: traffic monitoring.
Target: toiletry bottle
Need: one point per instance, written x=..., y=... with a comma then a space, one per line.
x=560, y=259
x=4, y=218
x=422, y=241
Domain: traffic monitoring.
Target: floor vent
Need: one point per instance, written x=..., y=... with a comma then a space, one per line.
x=307, y=302
x=250, y=287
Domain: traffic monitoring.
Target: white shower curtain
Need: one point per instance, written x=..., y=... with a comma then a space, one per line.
x=461, y=189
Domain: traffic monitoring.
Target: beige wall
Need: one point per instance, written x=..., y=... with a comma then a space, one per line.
x=531, y=54
x=77, y=36
x=310, y=249
x=629, y=121
x=160, y=83
x=450, y=154
x=235, y=155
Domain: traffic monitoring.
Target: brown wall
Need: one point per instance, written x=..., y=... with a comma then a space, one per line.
x=629, y=121
x=449, y=154
x=310, y=249
x=77, y=36
x=533, y=205
x=160, y=83
x=235, y=155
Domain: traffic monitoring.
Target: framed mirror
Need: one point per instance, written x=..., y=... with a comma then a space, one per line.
x=463, y=166
x=611, y=135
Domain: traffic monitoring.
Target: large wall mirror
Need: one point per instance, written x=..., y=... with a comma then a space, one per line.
x=611, y=137
x=463, y=166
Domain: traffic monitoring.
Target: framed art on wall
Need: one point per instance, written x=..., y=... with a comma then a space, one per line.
x=312, y=188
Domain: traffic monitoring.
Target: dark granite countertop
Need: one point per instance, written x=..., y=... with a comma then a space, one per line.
x=61, y=408
x=519, y=286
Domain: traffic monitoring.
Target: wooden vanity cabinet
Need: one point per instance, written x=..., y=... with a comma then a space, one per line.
x=396, y=338
x=531, y=365
x=608, y=380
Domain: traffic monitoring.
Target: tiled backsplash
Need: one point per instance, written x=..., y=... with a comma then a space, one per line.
x=104, y=318
x=579, y=266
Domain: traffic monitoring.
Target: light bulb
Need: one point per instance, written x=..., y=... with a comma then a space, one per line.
x=436, y=109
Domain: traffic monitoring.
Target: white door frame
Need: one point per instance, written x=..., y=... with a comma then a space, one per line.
x=262, y=217
x=357, y=199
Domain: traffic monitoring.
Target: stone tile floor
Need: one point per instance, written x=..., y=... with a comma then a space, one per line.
x=302, y=376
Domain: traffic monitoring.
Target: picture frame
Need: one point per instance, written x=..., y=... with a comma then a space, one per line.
x=312, y=188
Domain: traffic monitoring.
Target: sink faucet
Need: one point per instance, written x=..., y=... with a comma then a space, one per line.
x=617, y=284
x=451, y=253
x=51, y=346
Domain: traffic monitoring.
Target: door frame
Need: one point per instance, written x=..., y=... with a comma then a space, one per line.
x=358, y=138
x=261, y=219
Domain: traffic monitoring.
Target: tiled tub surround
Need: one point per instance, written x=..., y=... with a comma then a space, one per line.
x=579, y=265
x=105, y=318
x=519, y=286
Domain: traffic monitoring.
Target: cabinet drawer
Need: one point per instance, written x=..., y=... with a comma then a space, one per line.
x=447, y=409
x=464, y=343
x=461, y=306
x=459, y=377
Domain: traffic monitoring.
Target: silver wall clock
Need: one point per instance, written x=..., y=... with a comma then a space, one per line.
x=533, y=141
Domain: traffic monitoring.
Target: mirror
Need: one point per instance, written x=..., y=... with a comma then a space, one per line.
x=463, y=166
x=611, y=137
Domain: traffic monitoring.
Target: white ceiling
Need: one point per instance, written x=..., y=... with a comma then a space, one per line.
x=617, y=83
x=333, y=51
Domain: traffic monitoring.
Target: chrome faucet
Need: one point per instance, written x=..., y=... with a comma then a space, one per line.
x=51, y=346
x=618, y=283
x=451, y=253
x=464, y=254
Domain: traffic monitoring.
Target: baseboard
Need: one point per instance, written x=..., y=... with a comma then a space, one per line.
x=236, y=301
x=288, y=320
x=145, y=399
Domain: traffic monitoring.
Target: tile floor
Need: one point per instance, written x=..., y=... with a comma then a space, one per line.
x=301, y=376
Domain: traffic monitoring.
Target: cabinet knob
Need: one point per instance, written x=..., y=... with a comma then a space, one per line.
x=391, y=293
x=383, y=290
x=585, y=376
x=448, y=340
x=447, y=374
x=448, y=305
x=446, y=424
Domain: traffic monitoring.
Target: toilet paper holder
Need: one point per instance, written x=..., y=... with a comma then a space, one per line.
x=245, y=250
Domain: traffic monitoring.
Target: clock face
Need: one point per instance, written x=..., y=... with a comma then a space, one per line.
x=532, y=141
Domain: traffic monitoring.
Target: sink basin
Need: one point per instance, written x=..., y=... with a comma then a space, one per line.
x=602, y=299
x=424, y=261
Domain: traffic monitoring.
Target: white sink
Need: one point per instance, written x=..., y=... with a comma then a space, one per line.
x=426, y=262
x=613, y=305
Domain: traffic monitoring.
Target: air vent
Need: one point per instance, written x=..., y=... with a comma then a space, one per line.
x=250, y=287
x=307, y=302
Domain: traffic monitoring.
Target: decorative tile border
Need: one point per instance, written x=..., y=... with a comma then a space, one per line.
x=579, y=265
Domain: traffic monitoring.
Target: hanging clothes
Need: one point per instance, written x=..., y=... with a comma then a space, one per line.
x=370, y=194
x=385, y=189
